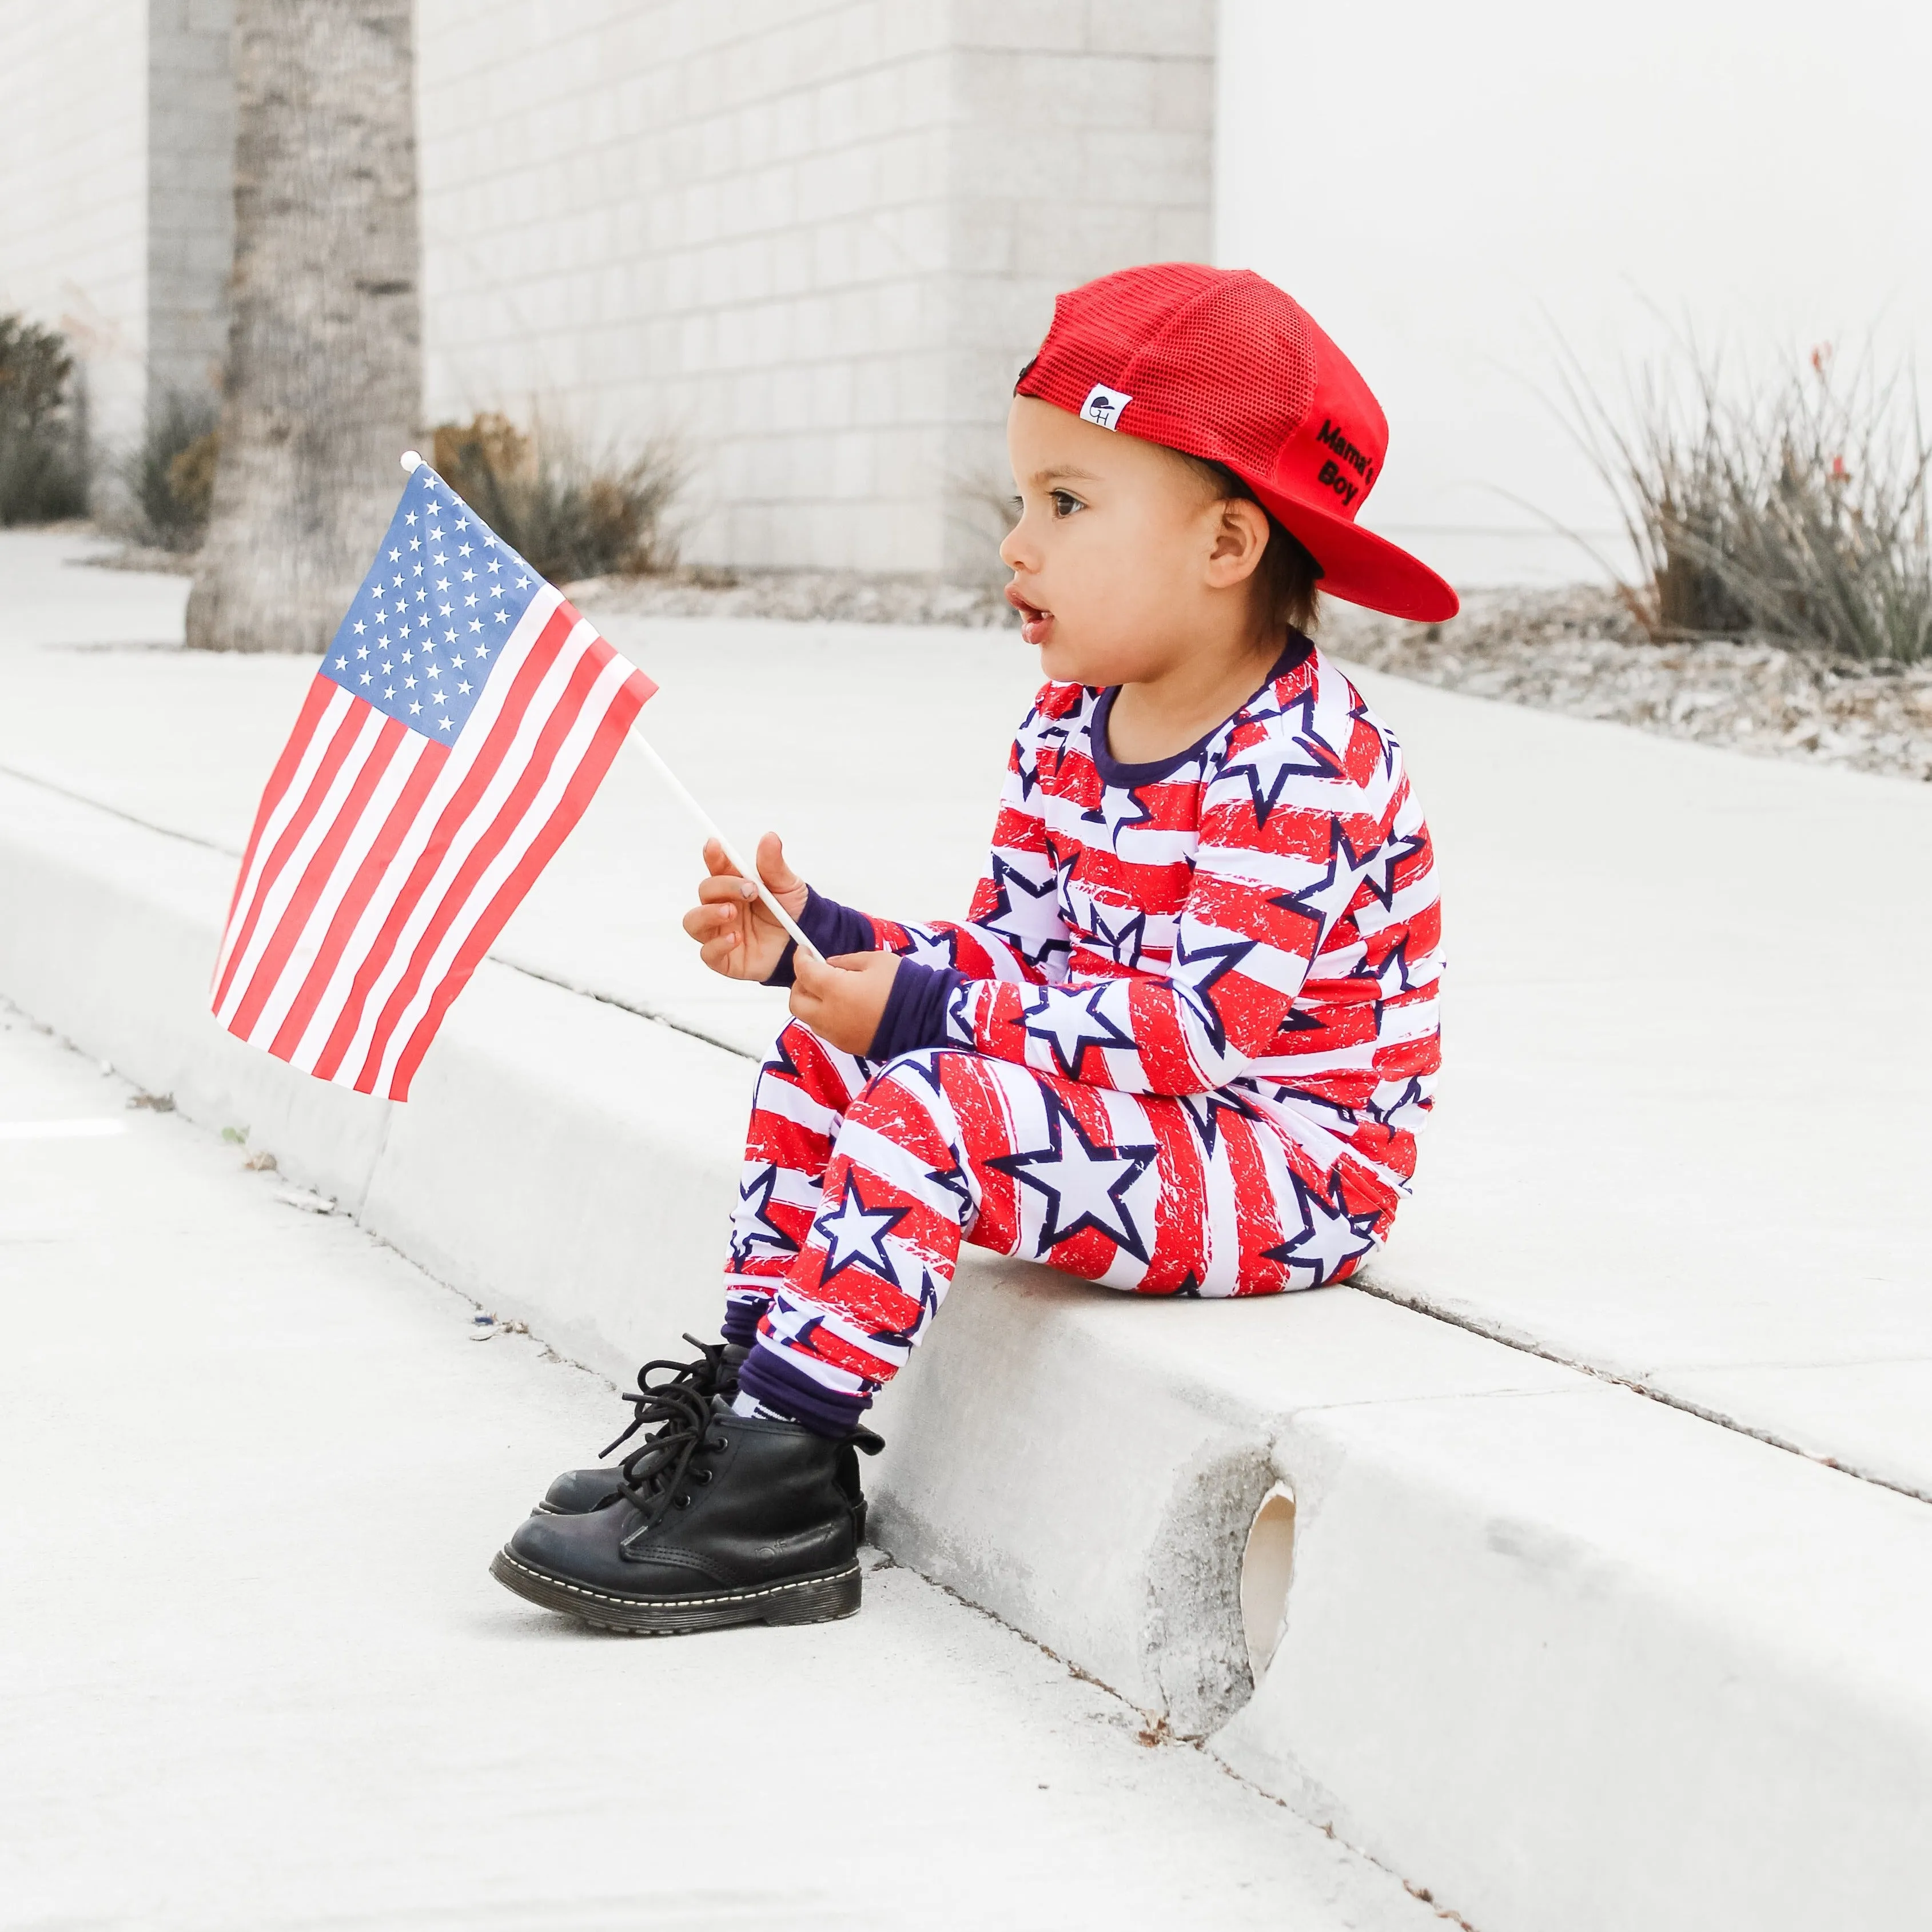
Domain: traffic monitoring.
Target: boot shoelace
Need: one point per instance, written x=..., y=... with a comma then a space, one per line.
x=704, y=1373
x=652, y=1477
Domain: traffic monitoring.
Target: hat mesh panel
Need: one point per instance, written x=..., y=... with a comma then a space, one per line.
x=1227, y=339
x=1182, y=339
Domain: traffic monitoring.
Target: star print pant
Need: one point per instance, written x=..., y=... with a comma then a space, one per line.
x=862, y=1178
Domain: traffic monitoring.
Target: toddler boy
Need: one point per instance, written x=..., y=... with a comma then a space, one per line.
x=1182, y=1044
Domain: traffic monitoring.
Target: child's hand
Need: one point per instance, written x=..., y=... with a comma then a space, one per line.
x=736, y=934
x=843, y=999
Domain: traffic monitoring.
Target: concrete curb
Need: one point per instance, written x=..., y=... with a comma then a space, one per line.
x=1559, y=1655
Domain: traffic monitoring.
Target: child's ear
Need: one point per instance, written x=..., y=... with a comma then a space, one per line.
x=1241, y=535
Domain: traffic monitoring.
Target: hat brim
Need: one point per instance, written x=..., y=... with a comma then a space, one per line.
x=1359, y=567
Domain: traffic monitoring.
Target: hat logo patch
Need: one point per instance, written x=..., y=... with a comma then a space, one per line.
x=1103, y=406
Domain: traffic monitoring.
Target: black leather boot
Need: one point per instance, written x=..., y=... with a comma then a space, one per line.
x=722, y=1519
x=713, y=1371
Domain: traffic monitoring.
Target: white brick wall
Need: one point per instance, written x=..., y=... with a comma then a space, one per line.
x=815, y=239
x=190, y=191
x=73, y=122
x=1082, y=138
x=116, y=148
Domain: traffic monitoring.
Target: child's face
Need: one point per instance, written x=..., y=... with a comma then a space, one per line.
x=1121, y=554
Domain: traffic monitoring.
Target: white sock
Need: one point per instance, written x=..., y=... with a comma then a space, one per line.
x=745, y=1404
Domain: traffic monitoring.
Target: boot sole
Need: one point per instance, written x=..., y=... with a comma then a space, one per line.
x=818, y=1599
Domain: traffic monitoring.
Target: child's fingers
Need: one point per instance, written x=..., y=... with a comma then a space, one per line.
x=820, y=980
x=716, y=862
x=830, y=974
x=706, y=922
x=723, y=886
x=772, y=866
x=721, y=936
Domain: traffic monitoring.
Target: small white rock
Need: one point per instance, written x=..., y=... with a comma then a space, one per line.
x=306, y=1198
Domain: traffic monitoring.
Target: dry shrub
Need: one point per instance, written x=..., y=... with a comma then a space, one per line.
x=169, y=474
x=191, y=476
x=42, y=444
x=569, y=515
x=1798, y=513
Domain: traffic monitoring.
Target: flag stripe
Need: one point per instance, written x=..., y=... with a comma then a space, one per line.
x=313, y=919
x=576, y=776
x=348, y=1040
x=383, y=899
x=313, y=882
x=334, y=773
x=532, y=773
x=402, y=814
x=320, y=691
x=293, y=770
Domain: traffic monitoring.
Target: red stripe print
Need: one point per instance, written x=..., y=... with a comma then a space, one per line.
x=320, y=691
x=469, y=793
x=340, y=746
x=369, y=875
x=314, y=881
x=603, y=747
x=455, y=895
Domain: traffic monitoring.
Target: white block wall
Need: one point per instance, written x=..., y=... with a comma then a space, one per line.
x=73, y=134
x=117, y=138
x=815, y=241
x=190, y=191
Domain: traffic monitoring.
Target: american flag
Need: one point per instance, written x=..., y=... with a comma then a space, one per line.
x=456, y=730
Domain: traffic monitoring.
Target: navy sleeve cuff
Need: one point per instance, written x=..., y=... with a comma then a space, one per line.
x=832, y=928
x=915, y=1014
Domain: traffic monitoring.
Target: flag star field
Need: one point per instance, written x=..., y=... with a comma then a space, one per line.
x=429, y=623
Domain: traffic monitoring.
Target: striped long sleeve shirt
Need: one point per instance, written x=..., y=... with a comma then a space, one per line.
x=1257, y=918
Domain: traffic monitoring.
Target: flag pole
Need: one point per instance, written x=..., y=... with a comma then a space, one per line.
x=411, y=462
x=675, y=786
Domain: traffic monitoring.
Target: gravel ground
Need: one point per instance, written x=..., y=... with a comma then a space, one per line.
x=819, y=596
x=128, y=556
x=1576, y=649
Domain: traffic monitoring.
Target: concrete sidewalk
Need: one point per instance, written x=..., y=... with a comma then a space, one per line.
x=1560, y=1653
x=252, y=1674
x=1687, y=1089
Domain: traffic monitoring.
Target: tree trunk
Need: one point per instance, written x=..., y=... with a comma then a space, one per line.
x=324, y=384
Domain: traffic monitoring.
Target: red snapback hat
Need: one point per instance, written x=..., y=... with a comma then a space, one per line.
x=1219, y=363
